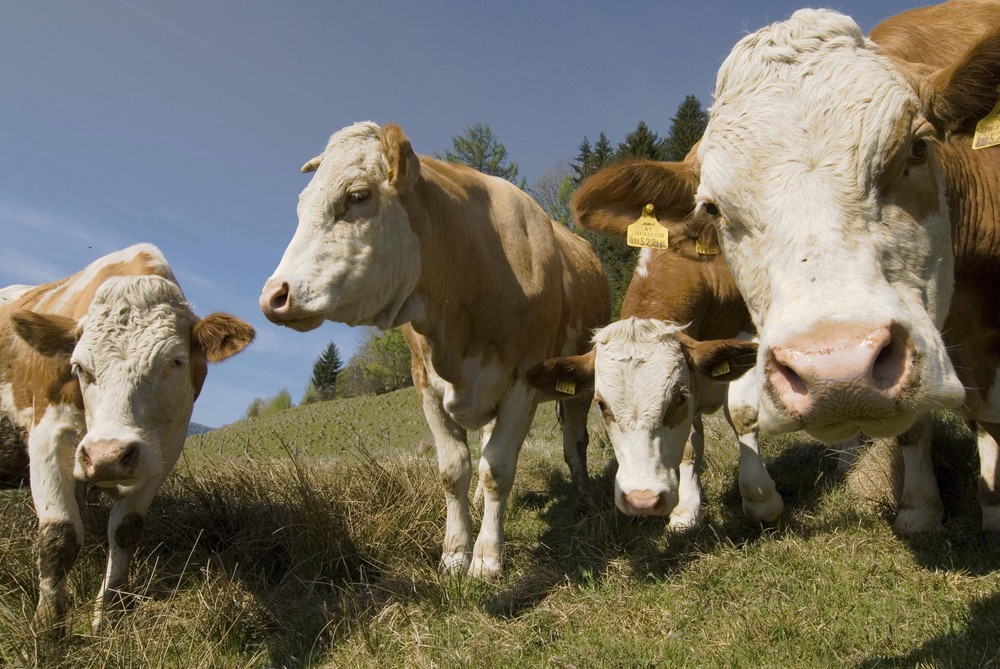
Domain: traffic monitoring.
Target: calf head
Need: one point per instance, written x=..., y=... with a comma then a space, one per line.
x=648, y=379
x=820, y=176
x=354, y=257
x=140, y=356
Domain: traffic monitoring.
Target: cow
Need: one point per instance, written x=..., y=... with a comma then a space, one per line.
x=483, y=282
x=98, y=373
x=683, y=336
x=836, y=174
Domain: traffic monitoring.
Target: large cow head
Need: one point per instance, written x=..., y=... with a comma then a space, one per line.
x=647, y=377
x=140, y=356
x=819, y=173
x=354, y=257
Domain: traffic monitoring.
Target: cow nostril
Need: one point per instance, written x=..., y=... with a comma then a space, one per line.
x=84, y=457
x=279, y=298
x=130, y=456
x=779, y=371
x=890, y=363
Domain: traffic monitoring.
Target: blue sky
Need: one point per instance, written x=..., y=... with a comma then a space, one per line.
x=184, y=123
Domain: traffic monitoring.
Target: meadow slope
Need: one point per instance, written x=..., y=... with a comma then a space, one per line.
x=311, y=539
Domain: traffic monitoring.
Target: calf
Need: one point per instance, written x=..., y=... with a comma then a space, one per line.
x=100, y=371
x=485, y=285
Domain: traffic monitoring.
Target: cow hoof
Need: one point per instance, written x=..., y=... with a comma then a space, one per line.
x=764, y=512
x=485, y=568
x=914, y=521
x=681, y=522
x=455, y=563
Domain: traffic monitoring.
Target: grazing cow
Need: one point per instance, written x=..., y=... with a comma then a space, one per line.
x=839, y=178
x=487, y=284
x=654, y=379
x=100, y=371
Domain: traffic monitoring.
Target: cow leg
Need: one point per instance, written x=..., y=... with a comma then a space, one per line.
x=477, y=497
x=496, y=472
x=575, y=441
x=989, y=478
x=920, y=508
x=688, y=510
x=51, y=449
x=761, y=501
x=455, y=469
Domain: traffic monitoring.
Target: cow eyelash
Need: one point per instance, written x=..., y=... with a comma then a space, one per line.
x=358, y=197
x=81, y=372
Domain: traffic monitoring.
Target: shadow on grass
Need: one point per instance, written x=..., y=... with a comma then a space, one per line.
x=963, y=648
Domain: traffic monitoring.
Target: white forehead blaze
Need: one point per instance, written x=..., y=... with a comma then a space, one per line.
x=638, y=366
x=352, y=158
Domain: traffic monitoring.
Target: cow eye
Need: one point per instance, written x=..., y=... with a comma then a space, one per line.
x=358, y=197
x=82, y=373
x=918, y=152
x=710, y=208
x=677, y=404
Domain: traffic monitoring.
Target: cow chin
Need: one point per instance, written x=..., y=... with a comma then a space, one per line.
x=304, y=324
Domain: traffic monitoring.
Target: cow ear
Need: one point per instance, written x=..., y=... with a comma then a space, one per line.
x=49, y=334
x=404, y=166
x=312, y=164
x=721, y=360
x=563, y=378
x=958, y=97
x=612, y=198
x=222, y=336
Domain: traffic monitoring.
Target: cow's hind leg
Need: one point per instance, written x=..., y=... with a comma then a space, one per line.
x=989, y=479
x=575, y=440
x=496, y=474
x=52, y=447
x=920, y=508
x=761, y=501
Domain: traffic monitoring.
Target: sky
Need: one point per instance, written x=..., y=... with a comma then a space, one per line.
x=184, y=123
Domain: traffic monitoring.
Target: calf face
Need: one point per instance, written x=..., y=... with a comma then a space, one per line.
x=354, y=257
x=820, y=176
x=140, y=357
x=648, y=379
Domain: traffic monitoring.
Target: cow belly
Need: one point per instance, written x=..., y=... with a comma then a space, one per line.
x=471, y=402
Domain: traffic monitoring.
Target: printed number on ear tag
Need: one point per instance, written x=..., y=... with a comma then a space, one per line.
x=567, y=387
x=720, y=369
x=647, y=232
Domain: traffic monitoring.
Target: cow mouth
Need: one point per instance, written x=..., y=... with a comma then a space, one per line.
x=303, y=324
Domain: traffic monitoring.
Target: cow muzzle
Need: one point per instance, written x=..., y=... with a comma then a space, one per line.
x=645, y=503
x=278, y=306
x=841, y=373
x=107, y=462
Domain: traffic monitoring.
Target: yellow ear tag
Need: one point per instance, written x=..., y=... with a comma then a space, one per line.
x=567, y=387
x=988, y=129
x=720, y=369
x=647, y=232
x=704, y=249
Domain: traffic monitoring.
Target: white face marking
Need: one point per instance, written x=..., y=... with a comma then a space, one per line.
x=646, y=394
x=354, y=257
x=133, y=363
x=827, y=214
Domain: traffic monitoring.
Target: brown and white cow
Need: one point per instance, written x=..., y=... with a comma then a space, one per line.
x=838, y=176
x=100, y=370
x=668, y=361
x=486, y=284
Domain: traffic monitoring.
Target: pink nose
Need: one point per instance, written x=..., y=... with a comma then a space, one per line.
x=840, y=372
x=109, y=460
x=275, y=301
x=644, y=503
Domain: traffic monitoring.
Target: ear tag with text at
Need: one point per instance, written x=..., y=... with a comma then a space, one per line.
x=566, y=387
x=720, y=369
x=988, y=128
x=647, y=232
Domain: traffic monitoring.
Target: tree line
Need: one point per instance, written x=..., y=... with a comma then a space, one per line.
x=382, y=363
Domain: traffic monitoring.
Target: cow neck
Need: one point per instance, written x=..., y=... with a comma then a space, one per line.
x=681, y=290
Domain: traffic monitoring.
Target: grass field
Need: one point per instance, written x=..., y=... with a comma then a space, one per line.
x=311, y=539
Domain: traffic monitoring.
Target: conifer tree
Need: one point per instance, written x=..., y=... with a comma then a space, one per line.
x=686, y=129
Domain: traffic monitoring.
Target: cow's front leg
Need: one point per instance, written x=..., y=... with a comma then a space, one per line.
x=989, y=479
x=496, y=473
x=455, y=469
x=575, y=441
x=761, y=501
x=124, y=527
x=688, y=510
x=920, y=508
x=51, y=449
